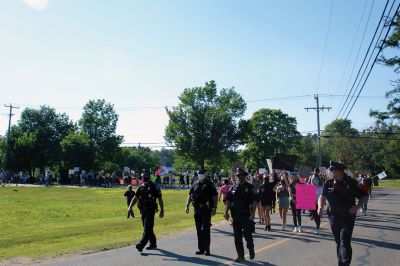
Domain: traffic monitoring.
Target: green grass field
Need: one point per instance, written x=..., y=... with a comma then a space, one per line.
x=39, y=222
x=389, y=184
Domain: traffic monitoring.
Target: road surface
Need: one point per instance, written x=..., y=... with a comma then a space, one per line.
x=376, y=241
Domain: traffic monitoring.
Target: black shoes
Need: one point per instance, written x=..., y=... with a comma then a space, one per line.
x=139, y=247
x=269, y=228
x=252, y=254
x=240, y=259
x=266, y=228
x=200, y=252
x=205, y=252
x=151, y=247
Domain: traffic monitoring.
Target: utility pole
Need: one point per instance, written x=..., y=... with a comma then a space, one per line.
x=316, y=97
x=5, y=159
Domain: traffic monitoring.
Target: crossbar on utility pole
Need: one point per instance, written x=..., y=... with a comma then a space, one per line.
x=5, y=159
x=316, y=97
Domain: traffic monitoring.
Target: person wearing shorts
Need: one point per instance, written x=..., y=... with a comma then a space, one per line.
x=282, y=194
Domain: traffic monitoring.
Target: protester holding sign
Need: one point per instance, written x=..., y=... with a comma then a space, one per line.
x=317, y=182
x=294, y=180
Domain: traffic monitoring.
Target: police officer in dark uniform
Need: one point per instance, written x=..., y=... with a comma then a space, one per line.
x=129, y=195
x=242, y=201
x=146, y=196
x=204, y=197
x=341, y=192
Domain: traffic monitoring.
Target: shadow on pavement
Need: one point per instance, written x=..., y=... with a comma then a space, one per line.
x=170, y=256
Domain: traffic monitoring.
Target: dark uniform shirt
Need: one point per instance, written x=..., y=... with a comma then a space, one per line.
x=129, y=194
x=202, y=193
x=241, y=197
x=341, y=195
x=147, y=196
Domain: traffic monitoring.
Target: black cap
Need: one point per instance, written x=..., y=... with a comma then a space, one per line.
x=240, y=172
x=146, y=176
x=201, y=171
x=336, y=166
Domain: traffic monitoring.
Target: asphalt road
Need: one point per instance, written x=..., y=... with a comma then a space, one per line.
x=376, y=241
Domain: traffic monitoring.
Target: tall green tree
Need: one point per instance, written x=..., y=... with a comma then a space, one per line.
x=77, y=150
x=46, y=128
x=392, y=44
x=205, y=123
x=306, y=151
x=99, y=122
x=269, y=131
x=338, y=139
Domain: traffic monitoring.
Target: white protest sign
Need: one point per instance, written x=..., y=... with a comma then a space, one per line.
x=382, y=175
x=262, y=171
x=71, y=171
x=76, y=169
x=269, y=162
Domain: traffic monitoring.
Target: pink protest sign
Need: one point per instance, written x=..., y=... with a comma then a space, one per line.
x=306, y=197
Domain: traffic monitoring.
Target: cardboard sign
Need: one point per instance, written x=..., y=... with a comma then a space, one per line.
x=305, y=171
x=284, y=161
x=306, y=197
x=269, y=162
x=262, y=171
x=382, y=175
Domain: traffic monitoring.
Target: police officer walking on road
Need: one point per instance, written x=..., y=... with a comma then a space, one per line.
x=341, y=192
x=242, y=201
x=204, y=197
x=146, y=196
x=129, y=195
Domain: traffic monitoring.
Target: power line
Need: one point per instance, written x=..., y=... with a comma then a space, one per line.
x=325, y=45
x=365, y=57
x=351, y=52
x=376, y=57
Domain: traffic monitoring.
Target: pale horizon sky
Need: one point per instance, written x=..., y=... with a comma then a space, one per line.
x=140, y=55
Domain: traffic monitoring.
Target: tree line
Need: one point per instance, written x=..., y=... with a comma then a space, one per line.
x=205, y=129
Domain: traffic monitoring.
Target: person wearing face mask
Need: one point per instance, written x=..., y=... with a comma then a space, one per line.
x=314, y=213
x=242, y=202
x=204, y=197
x=341, y=193
x=146, y=197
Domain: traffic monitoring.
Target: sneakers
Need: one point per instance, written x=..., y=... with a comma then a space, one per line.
x=300, y=229
x=316, y=231
x=295, y=230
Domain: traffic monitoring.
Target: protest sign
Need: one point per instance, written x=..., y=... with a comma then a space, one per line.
x=269, y=162
x=306, y=197
x=262, y=171
x=305, y=171
x=76, y=169
x=284, y=161
x=71, y=171
x=382, y=175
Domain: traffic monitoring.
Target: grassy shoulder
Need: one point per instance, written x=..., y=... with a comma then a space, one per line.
x=39, y=222
x=389, y=183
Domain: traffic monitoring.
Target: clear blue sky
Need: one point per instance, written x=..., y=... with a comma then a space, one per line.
x=144, y=53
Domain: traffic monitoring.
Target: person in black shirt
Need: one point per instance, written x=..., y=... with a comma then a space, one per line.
x=242, y=202
x=266, y=195
x=203, y=195
x=341, y=192
x=146, y=197
x=129, y=195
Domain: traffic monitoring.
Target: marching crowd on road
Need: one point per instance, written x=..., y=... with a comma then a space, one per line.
x=242, y=199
